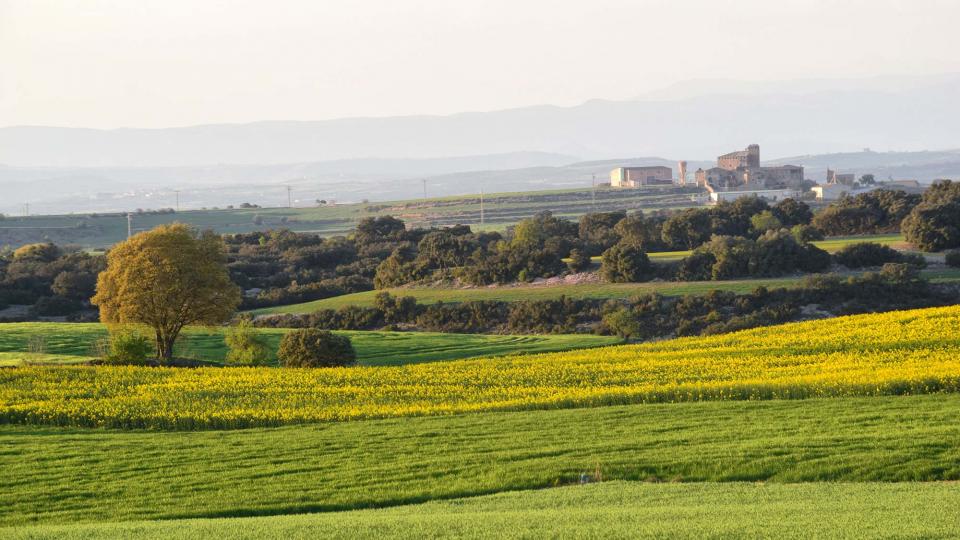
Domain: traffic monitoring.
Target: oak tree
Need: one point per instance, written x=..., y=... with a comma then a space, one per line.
x=166, y=279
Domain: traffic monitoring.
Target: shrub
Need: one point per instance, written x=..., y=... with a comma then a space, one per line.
x=55, y=306
x=579, y=261
x=866, y=254
x=696, y=267
x=403, y=309
x=472, y=316
x=625, y=263
x=934, y=225
x=310, y=347
x=546, y=316
x=899, y=272
x=873, y=212
x=622, y=323
x=806, y=233
x=245, y=346
x=792, y=212
x=952, y=258
x=765, y=221
x=775, y=253
x=128, y=346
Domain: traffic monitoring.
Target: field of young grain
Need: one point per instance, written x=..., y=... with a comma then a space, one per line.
x=75, y=475
x=907, y=352
x=72, y=343
x=607, y=510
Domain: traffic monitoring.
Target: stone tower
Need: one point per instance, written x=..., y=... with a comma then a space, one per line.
x=753, y=156
x=682, y=173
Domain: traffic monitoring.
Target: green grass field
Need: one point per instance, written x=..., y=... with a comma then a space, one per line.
x=603, y=510
x=583, y=290
x=65, y=343
x=531, y=292
x=854, y=467
x=70, y=475
x=831, y=245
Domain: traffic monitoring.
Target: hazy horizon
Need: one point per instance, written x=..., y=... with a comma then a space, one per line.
x=108, y=64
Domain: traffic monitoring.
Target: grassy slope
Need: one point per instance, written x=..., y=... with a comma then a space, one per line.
x=57, y=475
x=71, y=343
x=609, y=509
x=830, y=245
x=585, y=290
x=530, y=292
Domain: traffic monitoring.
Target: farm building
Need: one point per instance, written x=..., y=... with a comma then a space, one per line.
x=640, y=176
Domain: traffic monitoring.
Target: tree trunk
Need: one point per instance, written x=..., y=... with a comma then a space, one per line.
x=165, y=347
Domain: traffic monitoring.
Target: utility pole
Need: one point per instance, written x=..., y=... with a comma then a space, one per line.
x=289, y=197
x=129, y=225
x=177, y=191
x=26, y=209
x=481, y=206
x=593, y=190
x=424, y=190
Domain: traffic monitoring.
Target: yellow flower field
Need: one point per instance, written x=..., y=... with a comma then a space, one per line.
x=906, y=352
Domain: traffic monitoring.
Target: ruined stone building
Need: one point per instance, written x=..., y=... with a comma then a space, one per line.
x=742, y=170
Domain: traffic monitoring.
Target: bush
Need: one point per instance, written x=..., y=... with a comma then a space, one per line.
x=899, y=272
x=403, y=309
x=765, y=221
x=806, y=233
x=579, y=261
x=559, y=316
x=867, y=254
x=792, y=212
x=934, y=225
x=696, y=267
x=775, y=253
x=622, y=323
x=315, y=348
x=625, y=263
x=55, y=306
x=128, y=346
x=245, y=346
x=952, y=258
x=874, y=212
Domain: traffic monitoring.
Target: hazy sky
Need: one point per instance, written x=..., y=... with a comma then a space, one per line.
x=158, y=63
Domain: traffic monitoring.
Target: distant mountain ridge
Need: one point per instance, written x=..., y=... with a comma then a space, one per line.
x=785, y=118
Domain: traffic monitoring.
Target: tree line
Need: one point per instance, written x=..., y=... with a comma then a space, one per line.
x=648, y=316
x=744, y=238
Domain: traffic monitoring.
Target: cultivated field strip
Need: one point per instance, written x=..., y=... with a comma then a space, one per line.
x=896, y=353
x=76, y=343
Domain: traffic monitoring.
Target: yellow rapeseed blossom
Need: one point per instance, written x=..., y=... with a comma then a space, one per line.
x=906, y=352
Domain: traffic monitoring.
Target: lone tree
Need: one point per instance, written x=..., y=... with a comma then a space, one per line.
x=167, y=278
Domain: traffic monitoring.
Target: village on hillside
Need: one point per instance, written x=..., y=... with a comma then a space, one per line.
x=740, y=173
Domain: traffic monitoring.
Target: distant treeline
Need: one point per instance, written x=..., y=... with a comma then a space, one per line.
x=745, y=238
x=895, y=286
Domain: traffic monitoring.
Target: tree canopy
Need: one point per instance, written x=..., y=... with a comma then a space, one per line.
x=166, y=279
